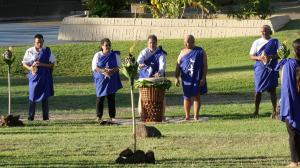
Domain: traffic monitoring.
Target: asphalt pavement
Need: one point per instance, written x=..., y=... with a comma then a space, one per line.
x=16, y=34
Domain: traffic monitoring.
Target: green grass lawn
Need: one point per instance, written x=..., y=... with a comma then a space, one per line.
x=72, y=138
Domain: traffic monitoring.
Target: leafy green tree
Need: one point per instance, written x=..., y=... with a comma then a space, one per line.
x=247, y=8
x=207, y=7
x=176, y=8
x=105, y=8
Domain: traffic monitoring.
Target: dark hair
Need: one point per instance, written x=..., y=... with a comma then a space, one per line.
x=104, y=40
x=39, y=36
x=298, y=79
x=268, y=28
x=296, y=46
x=152, y=37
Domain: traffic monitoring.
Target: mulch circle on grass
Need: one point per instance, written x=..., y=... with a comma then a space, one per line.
x=11, y=121
x=127, y=156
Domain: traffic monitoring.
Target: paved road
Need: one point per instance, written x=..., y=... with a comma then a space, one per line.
x=22, y=33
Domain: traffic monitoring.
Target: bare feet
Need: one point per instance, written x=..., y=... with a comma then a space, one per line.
x=196, y=118
x=292, y=164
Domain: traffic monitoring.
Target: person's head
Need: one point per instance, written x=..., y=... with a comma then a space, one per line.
x=105, y=45
x=266, y=31
x=152, y=42
x=296, y=46
x=189, y=41
x=38, y=41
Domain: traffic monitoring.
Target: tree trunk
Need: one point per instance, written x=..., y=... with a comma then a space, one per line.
x=9, y=98
x=133, y=115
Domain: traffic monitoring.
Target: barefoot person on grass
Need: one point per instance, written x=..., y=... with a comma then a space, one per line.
x=264, y=53
x=290, y=102
x=105, y=67
x=192, y=67
x=39, y=61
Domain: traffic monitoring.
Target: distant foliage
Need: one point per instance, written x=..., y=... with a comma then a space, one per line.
x=176, y=8
x=106, y=8
x=244, y=9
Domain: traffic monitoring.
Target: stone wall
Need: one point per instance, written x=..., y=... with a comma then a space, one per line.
x=93, y=29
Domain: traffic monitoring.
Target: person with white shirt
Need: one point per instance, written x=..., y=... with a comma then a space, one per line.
x=105, y=67
x=152, y=62
x=39, y=61
x=264, y=53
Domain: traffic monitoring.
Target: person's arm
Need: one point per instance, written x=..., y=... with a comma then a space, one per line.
x=39, y=64
x=29, y=68
x=95, y=68
x=111, y=71
x=177, y=71
x=253, y=52
x=141, y=59
x=256, y=58
x=162, y=66
x=205, y=67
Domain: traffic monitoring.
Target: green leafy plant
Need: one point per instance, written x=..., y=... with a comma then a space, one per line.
x=207, y=7
x=167, y=8
x=163, y=84
x=105, y=8
x=284, y=51
x=176, y=8
x=246, y=9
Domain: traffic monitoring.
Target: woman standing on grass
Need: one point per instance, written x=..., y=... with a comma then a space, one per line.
x=192, y=66
x=290, y=102
x=105, y=66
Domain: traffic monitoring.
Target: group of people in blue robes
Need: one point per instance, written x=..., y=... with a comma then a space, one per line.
x=191, y=71
x=266, y=73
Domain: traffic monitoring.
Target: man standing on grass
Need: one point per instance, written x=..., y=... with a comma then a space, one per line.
x=39, y=61
x=192, y=69
x=264, y=52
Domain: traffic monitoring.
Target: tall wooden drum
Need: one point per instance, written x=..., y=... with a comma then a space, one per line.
x=152, y=101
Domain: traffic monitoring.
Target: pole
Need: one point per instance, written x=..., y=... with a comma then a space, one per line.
x=9, y=99
x=133, y=115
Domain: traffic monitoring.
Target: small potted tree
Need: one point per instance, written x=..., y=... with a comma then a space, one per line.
x=9, y=120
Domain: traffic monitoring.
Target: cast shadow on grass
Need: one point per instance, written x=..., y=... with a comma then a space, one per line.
x=251, y=161
x=235, y=116
x=219, y=70
x=49, y=163
x=18, y=81
x=77, y=103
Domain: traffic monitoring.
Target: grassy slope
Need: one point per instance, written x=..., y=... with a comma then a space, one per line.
x=229, y=139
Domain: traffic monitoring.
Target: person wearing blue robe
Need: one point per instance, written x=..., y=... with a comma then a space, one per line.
x=152, y=63
x=152, y=60
x=290, y=102
x=39, y=61
x=105, y=67
x=192, y=68
x=264, y=53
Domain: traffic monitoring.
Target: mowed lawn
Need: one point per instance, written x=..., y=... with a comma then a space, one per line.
x=72, y=138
